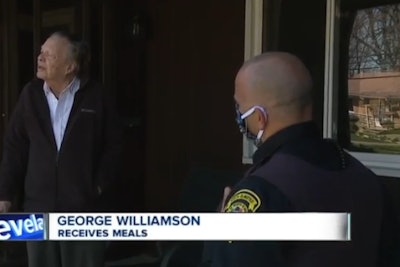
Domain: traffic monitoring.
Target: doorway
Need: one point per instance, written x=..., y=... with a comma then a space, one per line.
x=117, y=36
x=116, y=33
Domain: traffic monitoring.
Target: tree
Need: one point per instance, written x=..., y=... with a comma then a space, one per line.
x=375, y=40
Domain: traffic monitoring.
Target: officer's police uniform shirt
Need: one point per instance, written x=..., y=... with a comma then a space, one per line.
x=296, y=170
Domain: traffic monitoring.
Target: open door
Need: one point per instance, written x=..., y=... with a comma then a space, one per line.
x=114, y=30
x=23, y=26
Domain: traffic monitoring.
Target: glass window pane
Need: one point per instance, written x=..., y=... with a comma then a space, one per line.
x=374, y=80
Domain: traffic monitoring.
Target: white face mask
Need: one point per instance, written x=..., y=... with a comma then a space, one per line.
x=241, y=122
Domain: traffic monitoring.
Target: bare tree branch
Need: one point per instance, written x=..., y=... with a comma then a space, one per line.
x=375, y=40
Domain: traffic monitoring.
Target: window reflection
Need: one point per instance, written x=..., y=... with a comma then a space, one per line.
x=374, y=80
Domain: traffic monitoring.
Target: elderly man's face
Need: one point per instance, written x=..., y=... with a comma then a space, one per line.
x=53, y=61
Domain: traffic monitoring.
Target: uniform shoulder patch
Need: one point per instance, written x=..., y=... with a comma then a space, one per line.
x=244, y=200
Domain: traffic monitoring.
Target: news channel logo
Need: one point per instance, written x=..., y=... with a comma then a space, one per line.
x=22, y=227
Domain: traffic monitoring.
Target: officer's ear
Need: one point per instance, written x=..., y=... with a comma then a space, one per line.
x=262, y=119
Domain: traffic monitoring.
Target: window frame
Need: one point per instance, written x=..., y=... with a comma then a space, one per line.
x=253, y=41
x=381, y=164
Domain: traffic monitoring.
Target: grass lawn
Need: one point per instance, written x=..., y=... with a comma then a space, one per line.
x=376, y=148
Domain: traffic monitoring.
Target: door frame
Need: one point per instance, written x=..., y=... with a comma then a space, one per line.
x=253, y=45
x=9, y=63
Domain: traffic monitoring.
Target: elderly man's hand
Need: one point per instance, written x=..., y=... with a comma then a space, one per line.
x=227, y=191
x=4, y=206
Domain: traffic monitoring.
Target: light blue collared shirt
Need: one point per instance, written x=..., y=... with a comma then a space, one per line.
x=60, y=108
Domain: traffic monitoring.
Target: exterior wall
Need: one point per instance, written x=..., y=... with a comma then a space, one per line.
x=193, y=56
x=376, y=99
x=375, y=84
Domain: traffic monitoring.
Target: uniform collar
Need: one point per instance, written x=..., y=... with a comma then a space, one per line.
x=284, y=136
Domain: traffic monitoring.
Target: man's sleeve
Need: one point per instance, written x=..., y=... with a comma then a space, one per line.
x=110, y=163
x=253, y=194
x=15, y=153
x=389, y=250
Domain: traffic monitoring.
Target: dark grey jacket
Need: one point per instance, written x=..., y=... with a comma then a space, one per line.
x=89, y=156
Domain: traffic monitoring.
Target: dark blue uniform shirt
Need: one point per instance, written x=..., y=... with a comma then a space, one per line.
x=297, y=170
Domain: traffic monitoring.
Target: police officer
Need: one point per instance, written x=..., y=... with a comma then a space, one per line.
x=296, y=170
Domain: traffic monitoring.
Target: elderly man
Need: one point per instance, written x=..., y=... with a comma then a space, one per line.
x=296, y=170
x=62, y=146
